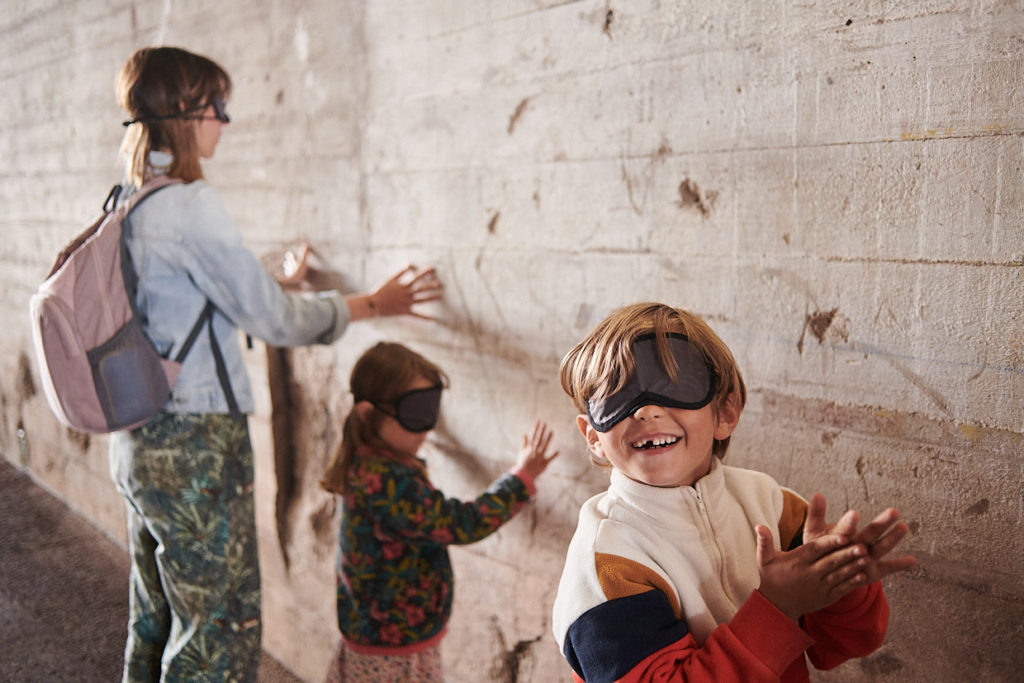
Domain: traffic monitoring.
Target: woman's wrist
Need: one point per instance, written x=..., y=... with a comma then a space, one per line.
x=362, y=306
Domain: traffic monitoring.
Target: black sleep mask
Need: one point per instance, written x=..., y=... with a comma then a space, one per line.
x=220, y=113
x=417, y=410
x=650, y=384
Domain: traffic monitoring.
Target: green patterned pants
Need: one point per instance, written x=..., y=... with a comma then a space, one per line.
x=195, y=583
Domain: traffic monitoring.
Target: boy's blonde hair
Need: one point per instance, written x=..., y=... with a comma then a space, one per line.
x=383, y=373
x=602, y=363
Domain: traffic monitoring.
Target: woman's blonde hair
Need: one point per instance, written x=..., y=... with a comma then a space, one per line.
x=160, y=82
x=383, y=373
x=602, y=363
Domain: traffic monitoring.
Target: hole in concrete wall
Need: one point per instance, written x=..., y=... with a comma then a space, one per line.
x=80, y=440
x=24, y=452
x=819, y=323
x=517, y=114
x=609, y=17
x=26, y=384
x=979, y=508
x=692, y=196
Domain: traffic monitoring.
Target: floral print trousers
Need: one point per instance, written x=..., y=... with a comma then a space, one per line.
x=194, y=607
x=419, y=667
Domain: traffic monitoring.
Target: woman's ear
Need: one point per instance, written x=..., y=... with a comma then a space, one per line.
x=727, y=416
x=363, y=410
x=590, y=434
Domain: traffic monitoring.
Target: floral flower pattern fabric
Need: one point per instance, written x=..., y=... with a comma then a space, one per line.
x=394, y=577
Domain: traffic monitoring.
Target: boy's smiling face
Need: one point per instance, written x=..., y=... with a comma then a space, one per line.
x=660, y=446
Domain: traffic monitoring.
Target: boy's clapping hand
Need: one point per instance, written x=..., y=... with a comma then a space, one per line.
x=878, y=537
x=834, y=559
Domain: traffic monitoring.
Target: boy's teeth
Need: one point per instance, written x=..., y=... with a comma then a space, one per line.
x=656, y=443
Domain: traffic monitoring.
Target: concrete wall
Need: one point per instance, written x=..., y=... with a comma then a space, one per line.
x=835, y=186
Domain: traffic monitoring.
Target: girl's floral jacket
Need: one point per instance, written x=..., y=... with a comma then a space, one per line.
x=394, y=577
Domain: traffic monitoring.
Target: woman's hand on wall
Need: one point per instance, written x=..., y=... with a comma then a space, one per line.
x=398, y=295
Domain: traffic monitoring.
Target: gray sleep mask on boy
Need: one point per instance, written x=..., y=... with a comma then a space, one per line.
x=651, y=385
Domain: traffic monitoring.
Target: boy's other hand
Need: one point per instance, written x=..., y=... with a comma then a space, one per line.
x=810, y=577
x=533, y=456
x=878, y=537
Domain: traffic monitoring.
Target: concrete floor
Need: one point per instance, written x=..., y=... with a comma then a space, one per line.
x=63, y=592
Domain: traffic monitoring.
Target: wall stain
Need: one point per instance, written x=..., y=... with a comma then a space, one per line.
x=691, y=195
x=972, y=432
x=818, y=323
x=609, y=17
x=279, y=373
x=81, y=440
x=517, y=114
x=829, y=437
x=861, y=468
x=26, y=385
x=492, y=225
x=979, y=508
x=915, y=379
x=646, y=178
x=881, y=665
x=321, y=522
x=506, y=665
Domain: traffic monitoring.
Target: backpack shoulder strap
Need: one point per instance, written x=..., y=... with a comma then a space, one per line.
x=206, y=317
x=155, y=183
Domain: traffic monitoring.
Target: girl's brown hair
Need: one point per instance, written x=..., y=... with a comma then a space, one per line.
x=383, y=373
x=602, y=363
x=162, y=81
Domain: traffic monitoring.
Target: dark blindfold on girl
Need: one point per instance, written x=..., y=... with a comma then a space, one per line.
x=416, y=410
x=693, y=387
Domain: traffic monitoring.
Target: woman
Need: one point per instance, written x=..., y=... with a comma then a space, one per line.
x=187, y=475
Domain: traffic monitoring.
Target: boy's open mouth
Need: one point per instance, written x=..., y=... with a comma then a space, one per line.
x=659, y=442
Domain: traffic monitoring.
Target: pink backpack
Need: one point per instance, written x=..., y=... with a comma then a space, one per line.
x=100, y=372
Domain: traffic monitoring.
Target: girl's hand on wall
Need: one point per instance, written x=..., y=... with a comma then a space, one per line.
x=533, y=456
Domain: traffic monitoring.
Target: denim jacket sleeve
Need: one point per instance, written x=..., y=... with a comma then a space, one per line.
x=187, y=249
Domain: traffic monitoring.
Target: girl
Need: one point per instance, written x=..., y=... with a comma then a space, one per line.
x=187, y=475
x=395, y=579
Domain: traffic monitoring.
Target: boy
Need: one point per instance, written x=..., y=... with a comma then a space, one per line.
x=674, y=572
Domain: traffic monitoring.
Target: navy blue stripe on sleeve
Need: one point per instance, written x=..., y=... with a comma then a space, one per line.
x=610, y=639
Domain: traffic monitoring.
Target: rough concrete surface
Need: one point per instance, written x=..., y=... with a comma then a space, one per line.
x=63, y=592
x=837, y=186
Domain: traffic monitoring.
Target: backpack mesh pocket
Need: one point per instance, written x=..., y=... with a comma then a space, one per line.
x=130, y=381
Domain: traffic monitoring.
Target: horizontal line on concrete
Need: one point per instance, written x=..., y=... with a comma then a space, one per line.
x=507, y=162
x=921, y=261
x=865, y=349
x=509, y=17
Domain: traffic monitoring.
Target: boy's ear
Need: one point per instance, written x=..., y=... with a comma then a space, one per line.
x=728, y=416
x=590, y=434
x=363, y=410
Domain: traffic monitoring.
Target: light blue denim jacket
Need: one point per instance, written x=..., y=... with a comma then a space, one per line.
x=186, y=249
